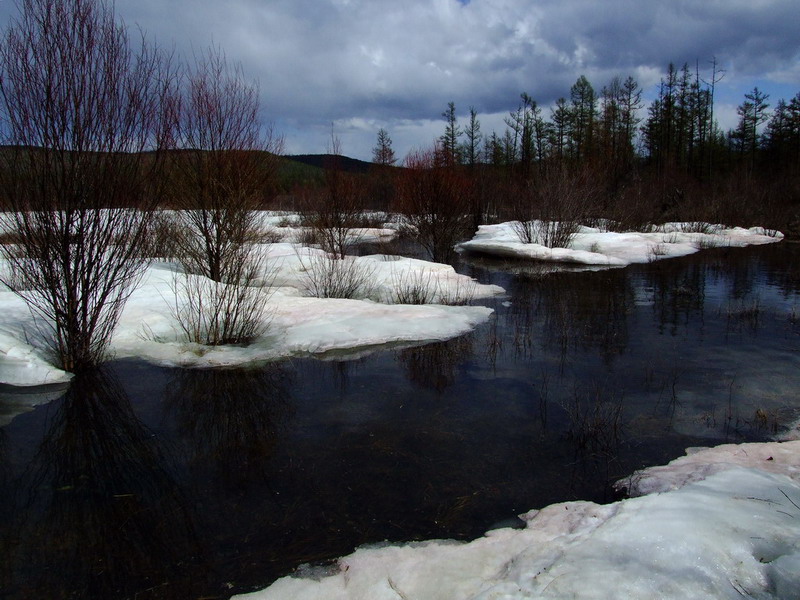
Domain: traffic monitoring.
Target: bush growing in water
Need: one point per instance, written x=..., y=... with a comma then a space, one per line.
x=548, y=211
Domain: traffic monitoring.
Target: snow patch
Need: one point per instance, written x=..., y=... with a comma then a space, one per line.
x=727, y=531
x=593, y=246
x=297, y=324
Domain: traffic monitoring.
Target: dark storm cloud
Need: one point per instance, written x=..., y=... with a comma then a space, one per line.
x=371, y=63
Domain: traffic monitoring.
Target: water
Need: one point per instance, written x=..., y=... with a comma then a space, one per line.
x=150, y=482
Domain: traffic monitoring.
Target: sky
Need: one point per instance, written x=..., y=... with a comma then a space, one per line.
x=355, y=66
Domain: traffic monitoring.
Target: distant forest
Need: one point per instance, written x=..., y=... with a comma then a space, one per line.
x=667, y=161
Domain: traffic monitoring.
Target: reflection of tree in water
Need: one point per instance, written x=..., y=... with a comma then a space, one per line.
x=781, y=263
x=586, y=311
x=435, y=366
x=230, y=416
x=741, y=273
x=5, y=490
x=678, y=292
x=97, y=514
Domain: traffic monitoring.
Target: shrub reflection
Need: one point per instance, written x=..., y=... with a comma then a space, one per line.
x=229, y=417
x=97, y=513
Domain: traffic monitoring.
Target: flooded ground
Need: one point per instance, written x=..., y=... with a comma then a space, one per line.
x=150, y=482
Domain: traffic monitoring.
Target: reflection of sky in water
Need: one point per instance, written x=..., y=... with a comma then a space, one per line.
x=302, y=461
x=709, y=337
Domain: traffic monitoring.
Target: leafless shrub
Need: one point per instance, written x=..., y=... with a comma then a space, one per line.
x=433, y=200
x=428, y=287
x=594, y=422
x=231, y=312
x=227, y=162
x=655, y=252
x=289, y=221
x=670, y=238
x=80, y=108
x=333, y=215
x=219, y=181
x=165, y=237
x=703, y=242
x=548, y=211
x=459, y=294
x=527, y=230
x=308, y=237
x=327, y=276
x=270, y=235
x=413, y=287
x=633, y=207
x=335, y=212
x=697, y=227
x=552, y=234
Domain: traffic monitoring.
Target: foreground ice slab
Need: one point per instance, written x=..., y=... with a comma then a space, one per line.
x=297, y=324
x=727, y=525
x=591, y=246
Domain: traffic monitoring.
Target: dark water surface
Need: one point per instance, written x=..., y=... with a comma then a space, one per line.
x=147, y=482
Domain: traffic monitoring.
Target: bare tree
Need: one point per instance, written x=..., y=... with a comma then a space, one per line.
x=434, y=201
x=85, y=114
x=221, y=176
x=335, y=211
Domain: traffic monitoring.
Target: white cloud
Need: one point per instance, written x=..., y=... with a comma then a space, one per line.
x=392, y=63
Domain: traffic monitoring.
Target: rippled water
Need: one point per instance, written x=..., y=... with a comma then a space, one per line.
x=150, y=482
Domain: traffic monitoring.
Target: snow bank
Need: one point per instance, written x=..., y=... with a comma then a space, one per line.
x=24, y=358
x=287, y=227
x=730, y=531
x=297, y=324
x=591, y=246
x=17, y=400
x=781, y=458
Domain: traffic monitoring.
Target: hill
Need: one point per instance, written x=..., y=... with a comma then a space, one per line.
x=331, y=161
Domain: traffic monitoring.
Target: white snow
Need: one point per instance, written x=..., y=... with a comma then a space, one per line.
x=17, y=400
x=297, y=324
x=287, y=227
x=592, y=246
x=725, y=525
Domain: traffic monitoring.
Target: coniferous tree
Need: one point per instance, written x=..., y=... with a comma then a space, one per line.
x=659, y=128
x=713, y=136
x=560, y=118
x=583, y=113
x=618, y=118
x=470, y=148
x=382, y=153
x=520, y=123
x=752, y=113
x=630, y=101
x=448, y=142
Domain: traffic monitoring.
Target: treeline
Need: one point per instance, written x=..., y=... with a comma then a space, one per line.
x=668, y=160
